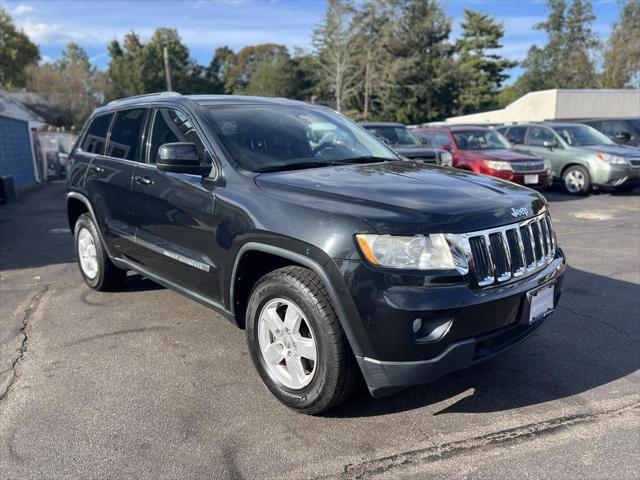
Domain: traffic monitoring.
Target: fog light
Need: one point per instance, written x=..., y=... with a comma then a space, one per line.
x=417, y=325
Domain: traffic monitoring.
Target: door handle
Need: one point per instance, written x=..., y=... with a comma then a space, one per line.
x=144, y=180
x=96, y=169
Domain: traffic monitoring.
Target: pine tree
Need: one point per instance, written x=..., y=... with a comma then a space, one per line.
x=481, y=72
x=422, y=72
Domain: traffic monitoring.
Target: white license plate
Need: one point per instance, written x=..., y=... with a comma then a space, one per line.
x=529, y=179
x=541, y=303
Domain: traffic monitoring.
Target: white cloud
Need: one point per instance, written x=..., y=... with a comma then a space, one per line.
x=22, y=10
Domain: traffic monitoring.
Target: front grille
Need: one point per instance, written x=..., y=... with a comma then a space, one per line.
x=523, y=167
x=512, y=251
x=635, y=161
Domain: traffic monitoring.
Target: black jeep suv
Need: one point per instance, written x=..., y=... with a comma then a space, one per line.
x=338, y=257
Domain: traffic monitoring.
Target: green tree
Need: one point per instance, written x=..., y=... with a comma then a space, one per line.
x=247, y=61
x=481, y=72
x=273, y=79
x=578, y=68
x=126, y=67
x=218, y=71
x=622, y=51
x=334, y=49
x=423, y=73
x=17, y=53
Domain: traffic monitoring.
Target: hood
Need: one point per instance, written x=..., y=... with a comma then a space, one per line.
x=414, y=151
x=405, y=198
x=505, y=155
x=620, y=150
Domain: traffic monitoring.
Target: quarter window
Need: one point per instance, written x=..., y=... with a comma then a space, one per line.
x=539, y=135
x=126, y=134
x=170, y=126
x=96, y=137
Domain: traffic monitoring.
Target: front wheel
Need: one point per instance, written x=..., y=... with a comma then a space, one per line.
x=296, y=342
x=577, y=180
x=95, y=266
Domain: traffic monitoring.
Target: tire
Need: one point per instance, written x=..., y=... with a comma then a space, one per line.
x=576, y=180
x=95, y=266
x=325, y=383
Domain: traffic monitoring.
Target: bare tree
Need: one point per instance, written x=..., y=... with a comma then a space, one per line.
x=335, y=49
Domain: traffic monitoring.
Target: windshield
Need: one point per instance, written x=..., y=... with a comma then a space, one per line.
x=395, y=135
x=273, y=137
x=581, y=135
x=480, y=140
x=635, y=123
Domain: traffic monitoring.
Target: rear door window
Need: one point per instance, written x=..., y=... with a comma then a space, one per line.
x=538, y=135
x=126, y=134
x=95, y=139
x=516, y=135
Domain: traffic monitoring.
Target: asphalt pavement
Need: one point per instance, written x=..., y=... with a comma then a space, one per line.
x=144, y=383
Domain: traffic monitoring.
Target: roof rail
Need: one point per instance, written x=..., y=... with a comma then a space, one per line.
x=156, y=94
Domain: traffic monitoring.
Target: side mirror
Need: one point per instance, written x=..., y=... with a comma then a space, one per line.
x=625, y=136
x=181, y=157
x=446, y=147
x=550, y=145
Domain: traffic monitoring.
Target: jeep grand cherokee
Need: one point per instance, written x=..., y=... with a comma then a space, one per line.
x=339, y=258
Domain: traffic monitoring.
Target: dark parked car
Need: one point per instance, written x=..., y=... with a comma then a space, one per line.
x=400, y=138
x=338, y=257
x=623, y=131
x=483, y=150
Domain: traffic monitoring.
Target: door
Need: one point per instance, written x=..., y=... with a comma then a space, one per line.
x=109, y=176
x=176, y=212
x=535, y=141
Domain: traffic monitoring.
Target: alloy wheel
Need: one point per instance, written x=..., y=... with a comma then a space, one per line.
x=87, y=254
x=287, y=343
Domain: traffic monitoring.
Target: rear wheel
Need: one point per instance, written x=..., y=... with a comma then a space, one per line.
x=296, y=342
x=577, y=180
x=95, y=266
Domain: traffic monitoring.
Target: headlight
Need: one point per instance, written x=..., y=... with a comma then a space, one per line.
x=446, y=159
x=611, y=159
x=420, y=252
x=498, y=165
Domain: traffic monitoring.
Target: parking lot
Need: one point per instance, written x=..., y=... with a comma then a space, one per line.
x=144, y=383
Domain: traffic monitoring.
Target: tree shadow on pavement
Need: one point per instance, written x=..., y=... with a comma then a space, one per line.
x=592, y=339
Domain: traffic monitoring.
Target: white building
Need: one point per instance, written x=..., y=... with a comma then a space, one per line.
x=563, y=105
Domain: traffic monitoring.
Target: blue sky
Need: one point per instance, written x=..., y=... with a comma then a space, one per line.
x=207, y=24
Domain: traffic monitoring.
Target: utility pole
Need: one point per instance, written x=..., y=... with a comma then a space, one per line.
x=167, y=71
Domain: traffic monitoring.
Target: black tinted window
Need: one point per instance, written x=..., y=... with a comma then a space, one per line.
x=126, y=134
x=516, y=134
x=96, y=137
x=170, y=126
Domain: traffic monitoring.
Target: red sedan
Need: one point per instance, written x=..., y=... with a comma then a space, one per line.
x=483, y=150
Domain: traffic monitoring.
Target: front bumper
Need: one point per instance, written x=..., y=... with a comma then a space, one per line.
x=614, y=175
x=477, y=324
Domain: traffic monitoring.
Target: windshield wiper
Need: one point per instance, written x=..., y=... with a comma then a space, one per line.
x=363, y=159
x=293, y=166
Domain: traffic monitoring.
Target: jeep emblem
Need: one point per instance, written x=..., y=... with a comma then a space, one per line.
x=519, y=212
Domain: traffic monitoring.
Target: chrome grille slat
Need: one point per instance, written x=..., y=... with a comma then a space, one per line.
x=512, y=251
